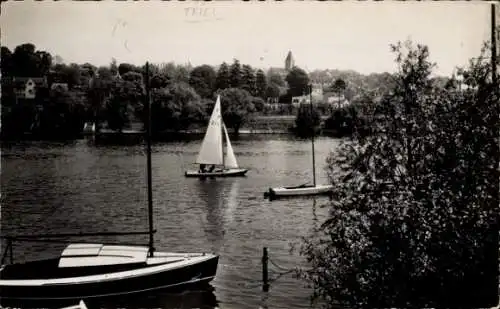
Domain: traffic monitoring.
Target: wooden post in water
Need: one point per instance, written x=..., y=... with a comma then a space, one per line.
x=265, y=278
x=148, y=152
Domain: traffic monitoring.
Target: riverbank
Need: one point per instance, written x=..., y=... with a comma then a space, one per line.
x=262, y=124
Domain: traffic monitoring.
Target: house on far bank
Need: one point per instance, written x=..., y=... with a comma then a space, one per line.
x=59, y=86
x=27, y=87
x=334, y=100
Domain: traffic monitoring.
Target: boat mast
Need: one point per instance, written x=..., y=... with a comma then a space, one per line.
x=312, y=133
x=223, y=136
x=148, y=155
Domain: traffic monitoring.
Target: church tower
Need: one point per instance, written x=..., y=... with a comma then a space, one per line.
x=289, y=61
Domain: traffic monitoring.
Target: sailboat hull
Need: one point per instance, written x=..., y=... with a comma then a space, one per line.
x=304, y=190
x=45, y=281
x=231, y=172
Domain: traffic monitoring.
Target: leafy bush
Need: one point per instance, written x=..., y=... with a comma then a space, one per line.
x=413, y=221
x=307, y=121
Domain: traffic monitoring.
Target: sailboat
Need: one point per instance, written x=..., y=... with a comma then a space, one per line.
x=212, y=150
x=94, y=270
x=304, y=189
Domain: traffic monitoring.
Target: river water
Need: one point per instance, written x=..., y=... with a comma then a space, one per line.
x=51, y=187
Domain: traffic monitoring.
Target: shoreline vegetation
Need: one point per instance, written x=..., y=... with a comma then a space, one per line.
x=45, y=98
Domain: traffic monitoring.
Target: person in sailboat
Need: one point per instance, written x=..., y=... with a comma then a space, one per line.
x=202, y=168
x=211, y=169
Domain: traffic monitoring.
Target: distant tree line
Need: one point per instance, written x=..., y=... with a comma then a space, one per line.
x=113, y=96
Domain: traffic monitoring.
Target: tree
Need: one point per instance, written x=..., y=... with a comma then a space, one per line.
x=124, y=68
x=28, y=62
x=63, y=114
x=261, y=84
x=258, y=104
x=125, y=102
x=410, y=198
x=236, y=107
x=276, y=79
x=203, y=80
x=132, y=76
x=298, y=81
x=307, y=121
x=248, y=79
x=339, y=86
x=113, y=67
x=175, y=107
x=72, y=75
x=7, y=62
x=344, y=121
x=272, y=91
x=223, y=77
x=235, y=77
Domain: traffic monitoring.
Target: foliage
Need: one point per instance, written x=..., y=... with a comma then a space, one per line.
x=339, y=86
x=125, y=102
x=307, y=121
x=272, y=91
x=258, y=104
x=276, y=79
x=203, y=80
x=248, y=79
x=354, y=119
x=260, y=84
x=63, y=114
x=298, y=81
x=235, y=77
x=25, y=61
x=413, y=222
x=236, y=106
x=125, y=68
x=175, y=107
x=132, y=76
x=223, y=79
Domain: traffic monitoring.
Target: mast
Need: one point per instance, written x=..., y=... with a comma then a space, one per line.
x=312, y=132
x=493, y=45
x=222, y=133
x=148, y=155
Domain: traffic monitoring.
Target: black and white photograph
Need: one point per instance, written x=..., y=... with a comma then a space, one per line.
x=249, y=154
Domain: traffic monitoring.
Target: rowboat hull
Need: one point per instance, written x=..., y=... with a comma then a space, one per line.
x=231, y=172
x=304, y=190
x=44, y=280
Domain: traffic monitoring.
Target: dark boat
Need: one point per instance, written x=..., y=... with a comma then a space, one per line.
x=86, y=270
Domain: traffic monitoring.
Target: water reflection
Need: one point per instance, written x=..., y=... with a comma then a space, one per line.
x=211, y=192
x=198, y=299
x=190, y=299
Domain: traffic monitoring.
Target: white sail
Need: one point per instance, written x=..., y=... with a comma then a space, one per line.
x=211, y=148
x=230, y=160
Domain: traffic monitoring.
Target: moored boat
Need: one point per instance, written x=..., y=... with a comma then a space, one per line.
x=90, y=270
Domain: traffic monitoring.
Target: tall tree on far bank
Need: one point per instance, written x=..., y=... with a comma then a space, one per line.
x=235, y=75
x=248, y=79
x=339, y=86
x=203, y=80
x=223, y=79
x=297, y=80
x=260, y=84
x=236, y=106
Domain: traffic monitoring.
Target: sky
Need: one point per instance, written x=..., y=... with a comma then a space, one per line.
x=321, y=35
